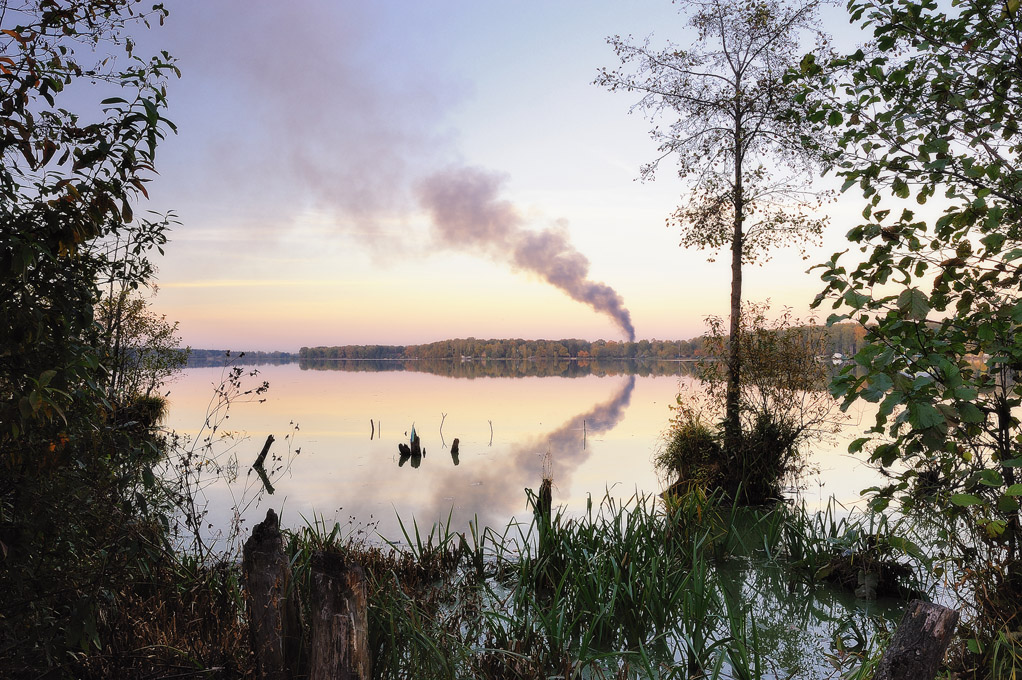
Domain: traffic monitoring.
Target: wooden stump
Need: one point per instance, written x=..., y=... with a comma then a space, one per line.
x=546, y=499
x=274, y=623
x=918, y=646
x=340, y=620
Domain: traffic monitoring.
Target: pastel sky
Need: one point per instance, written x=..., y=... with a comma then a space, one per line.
x=308, y=134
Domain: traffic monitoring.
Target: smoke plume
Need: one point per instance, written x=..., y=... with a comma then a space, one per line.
x=345, y=128
x=468, y=215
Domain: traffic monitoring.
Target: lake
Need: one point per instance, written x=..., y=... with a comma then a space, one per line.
x=593, y=427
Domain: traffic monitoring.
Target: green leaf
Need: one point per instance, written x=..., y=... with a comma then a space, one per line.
x=906, y=546
x=993, y=242
x=914, y=304
x=970, y=413
x=991, y=478
x=879, y=385
x=994, y=527
x=900, y=188
x=965, y=500
x=966, y=393
x=1013, y=490
x=923, y=415
x=855, y=300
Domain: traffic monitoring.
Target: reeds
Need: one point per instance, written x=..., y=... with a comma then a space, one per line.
x=627, y=589
x=642, y=588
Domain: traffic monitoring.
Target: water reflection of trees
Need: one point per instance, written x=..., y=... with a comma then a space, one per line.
x=802, y=627
x=496, y=368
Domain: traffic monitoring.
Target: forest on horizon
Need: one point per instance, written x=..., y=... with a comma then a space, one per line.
x=844, y=338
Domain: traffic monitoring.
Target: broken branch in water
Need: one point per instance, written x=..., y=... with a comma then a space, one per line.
x=258, y=466
x=262, y=454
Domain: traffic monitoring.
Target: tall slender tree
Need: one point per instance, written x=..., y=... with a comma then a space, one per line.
x=747, y=164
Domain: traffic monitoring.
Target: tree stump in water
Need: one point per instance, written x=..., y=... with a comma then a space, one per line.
x=340, y=620
x=274, y=623
x=918, y=645
x=546, y=499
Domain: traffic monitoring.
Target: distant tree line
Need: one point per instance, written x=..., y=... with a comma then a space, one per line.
x=503, y=368
x=198, y=358
x=841, y=338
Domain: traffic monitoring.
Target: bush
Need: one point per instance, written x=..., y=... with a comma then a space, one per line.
x=784, y=407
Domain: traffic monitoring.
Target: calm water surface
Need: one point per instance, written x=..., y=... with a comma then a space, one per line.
x=593, y=433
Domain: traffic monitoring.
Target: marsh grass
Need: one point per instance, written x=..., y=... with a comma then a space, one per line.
x=686, y=587
x=637, y=588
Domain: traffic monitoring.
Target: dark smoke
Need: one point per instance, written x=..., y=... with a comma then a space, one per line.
x=497, y=494
x=468, y=215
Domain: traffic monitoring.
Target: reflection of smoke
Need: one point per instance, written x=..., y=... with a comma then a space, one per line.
x=496, y=494
x=468, y=215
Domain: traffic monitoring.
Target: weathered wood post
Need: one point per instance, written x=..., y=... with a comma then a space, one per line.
x=918, y=645
x=339, y=649
x=546, y=499
x=274, y=619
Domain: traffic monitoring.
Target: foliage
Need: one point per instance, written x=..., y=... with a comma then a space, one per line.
x=845, y=338
x=141, y=349
x=67, y=186
x=692, y=450
x=783, y=408
x=725, y=101
x=79, y=503
x=927, y=124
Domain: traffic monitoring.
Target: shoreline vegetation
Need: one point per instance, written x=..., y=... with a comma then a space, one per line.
x=844, y=339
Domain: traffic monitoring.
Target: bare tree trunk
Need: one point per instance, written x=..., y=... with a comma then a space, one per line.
x=274, y=623
x=340, y=620
x=918, y=646
x=732, y=424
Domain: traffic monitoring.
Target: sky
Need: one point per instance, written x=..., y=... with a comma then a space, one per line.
x=338, y=164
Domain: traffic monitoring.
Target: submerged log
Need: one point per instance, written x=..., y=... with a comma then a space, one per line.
x=274, y=623
x=340, y=620
x=918, y=646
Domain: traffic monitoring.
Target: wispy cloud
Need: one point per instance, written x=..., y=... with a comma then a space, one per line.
x=262, y=283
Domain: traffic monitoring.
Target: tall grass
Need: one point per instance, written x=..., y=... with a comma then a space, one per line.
x=627, y=589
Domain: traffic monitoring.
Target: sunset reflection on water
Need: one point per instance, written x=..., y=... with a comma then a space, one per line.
x=350, y=425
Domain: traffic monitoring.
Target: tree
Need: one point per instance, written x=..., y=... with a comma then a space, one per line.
x=67, y=186
x=141, y=349
x=745, y=163
x=76, y=477
x=930, y=113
